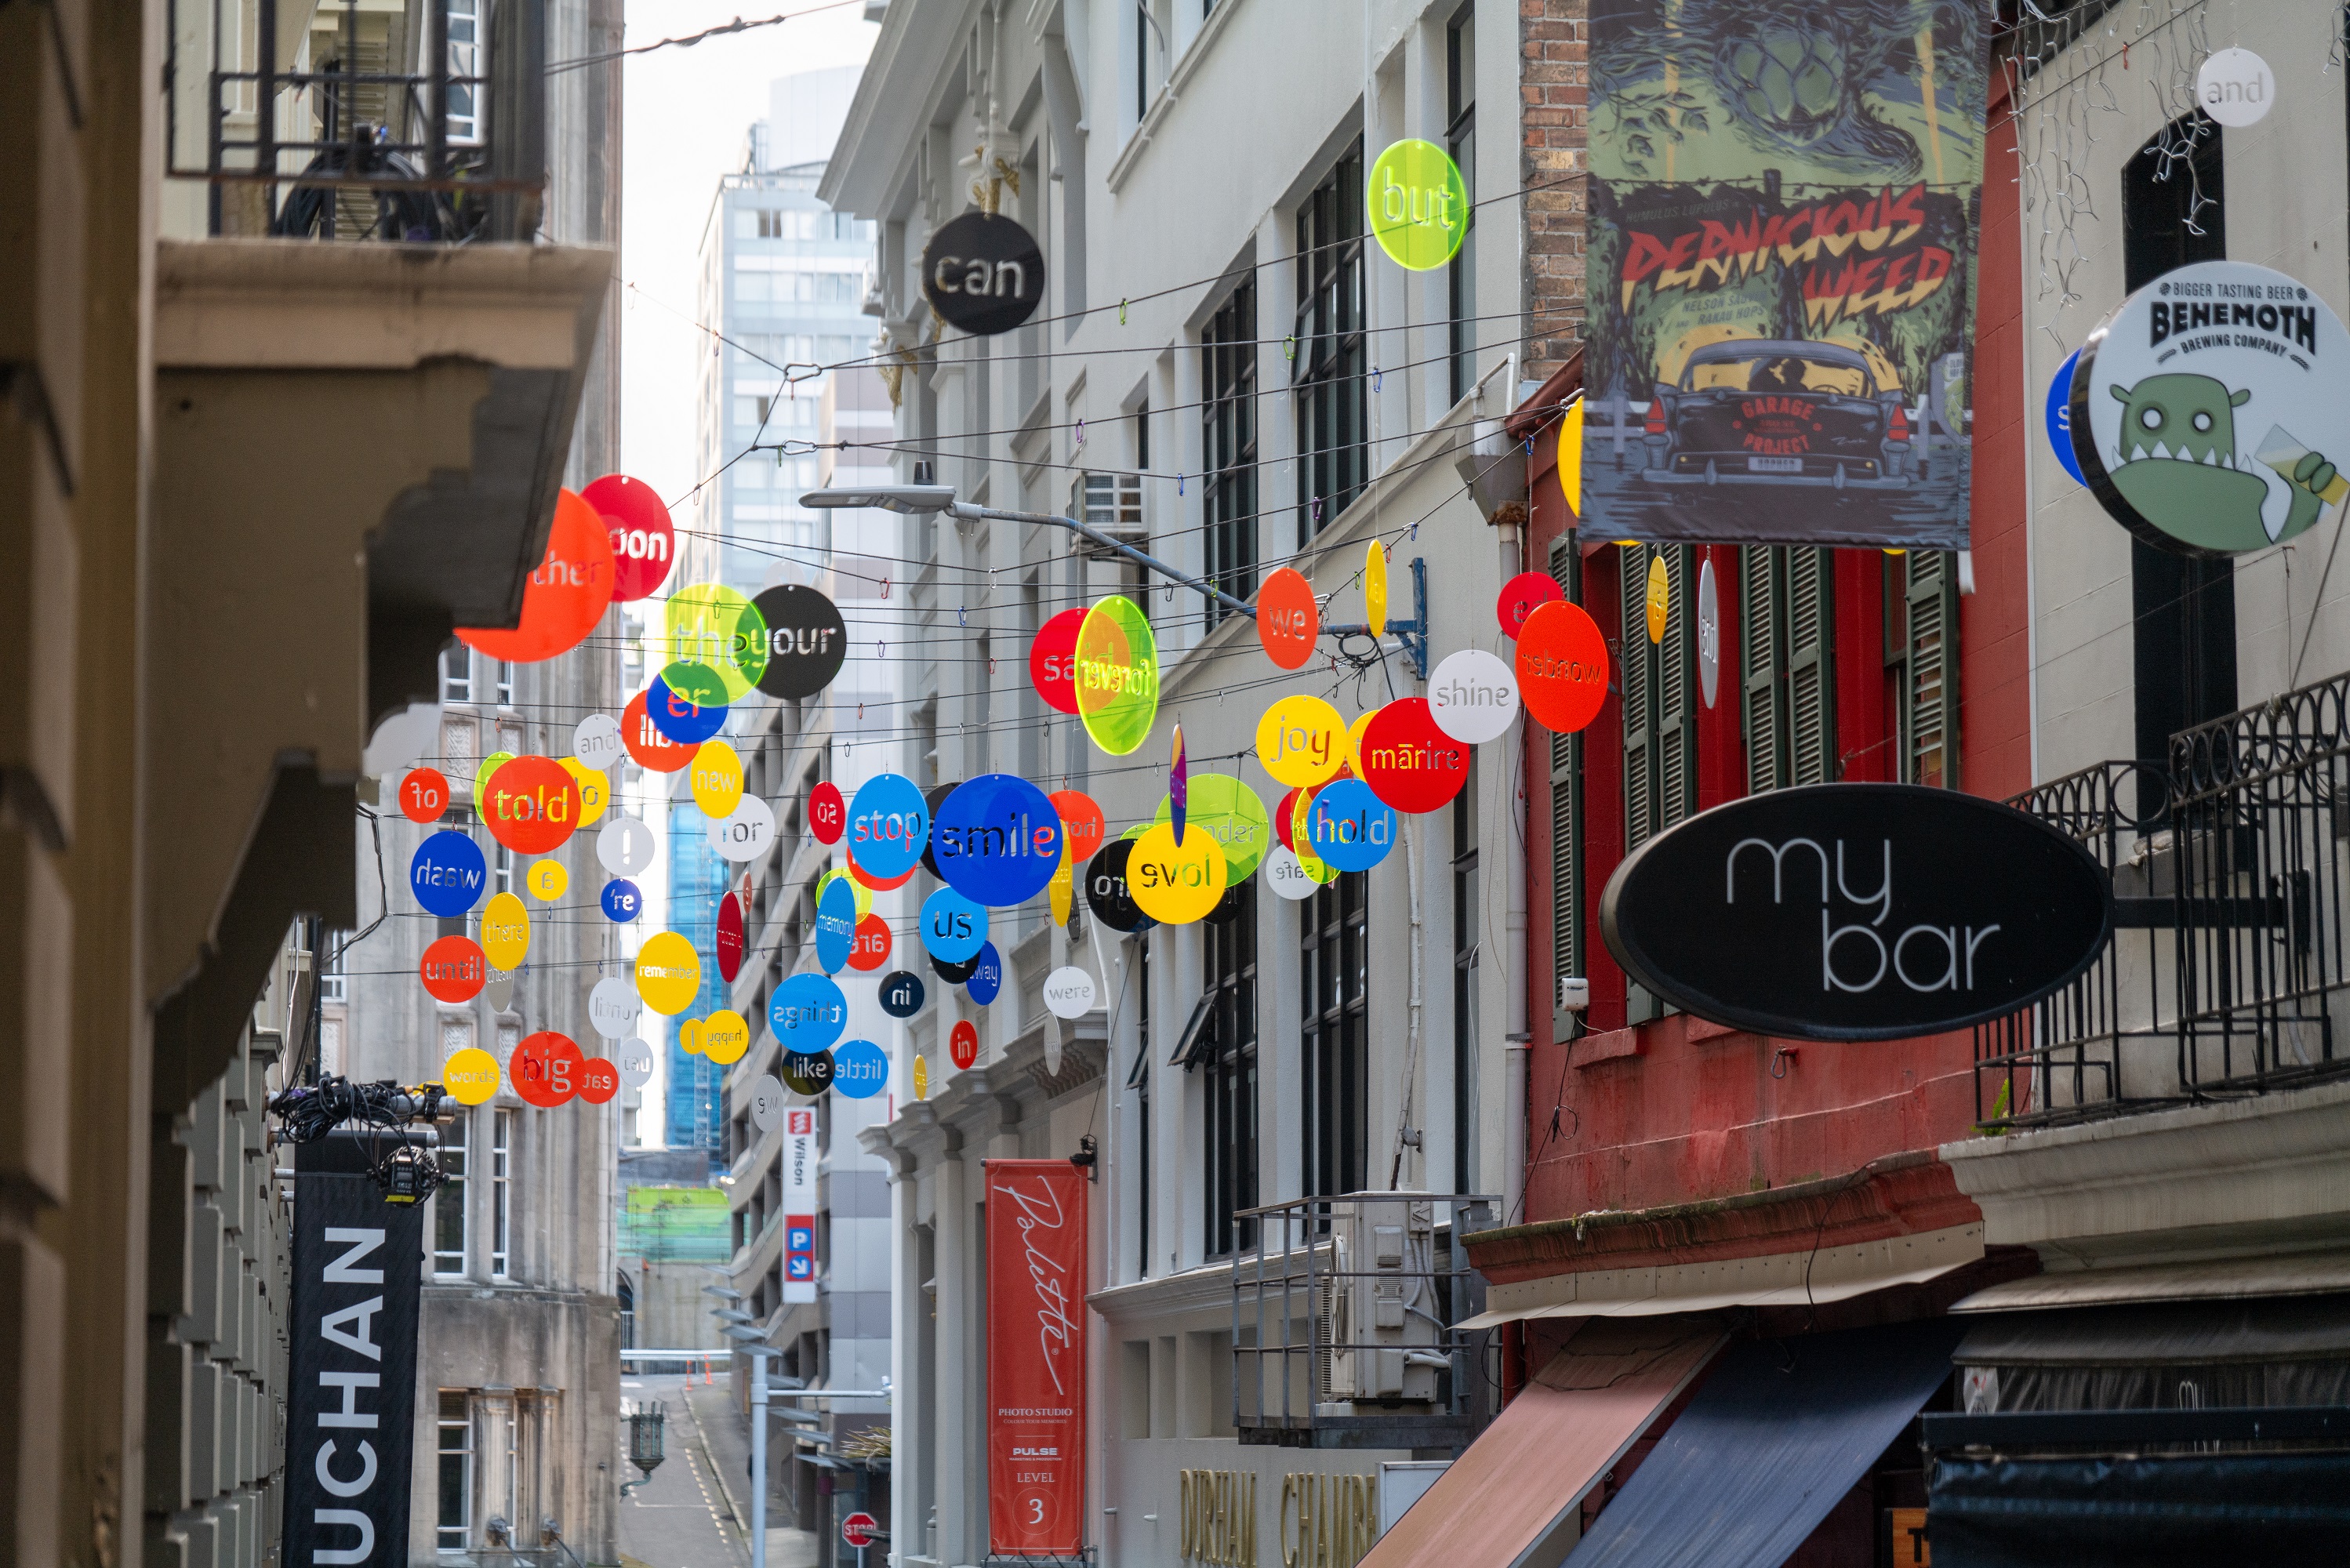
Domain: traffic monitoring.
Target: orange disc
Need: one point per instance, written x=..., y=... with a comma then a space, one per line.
x=567, y=595
x=531, y=806
x=871, y=947
x=652, y=751
x=1081, y=820
x=455, y=970
x=1561, y=667
x=879, y=883
x=1287, y=620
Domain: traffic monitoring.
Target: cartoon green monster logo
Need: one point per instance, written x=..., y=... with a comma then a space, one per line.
x=2180, y=472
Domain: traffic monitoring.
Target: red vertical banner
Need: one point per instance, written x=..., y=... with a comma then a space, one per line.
x=1036, y=1358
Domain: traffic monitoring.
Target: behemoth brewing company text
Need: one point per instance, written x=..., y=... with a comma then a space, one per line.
x=1036, y=1284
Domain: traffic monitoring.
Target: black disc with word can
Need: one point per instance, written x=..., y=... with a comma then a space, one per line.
x=983, y=273
x=1106, y=891
x=806, y=641
x=807, y=1072
x=955, y=973
x=901, y=994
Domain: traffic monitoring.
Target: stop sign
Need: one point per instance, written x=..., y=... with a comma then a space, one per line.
x=859, y=1528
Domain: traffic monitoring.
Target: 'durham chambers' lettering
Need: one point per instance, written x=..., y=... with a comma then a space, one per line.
x=1856, y=912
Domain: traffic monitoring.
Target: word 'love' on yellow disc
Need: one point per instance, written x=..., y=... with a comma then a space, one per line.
x=546, y=879
x=716, y=778
x=725, y=1035
x=1301, y=739
x=1175, y=884
x=668, y=973
x=506, y=931
x=470, y=1075
x=595, y=789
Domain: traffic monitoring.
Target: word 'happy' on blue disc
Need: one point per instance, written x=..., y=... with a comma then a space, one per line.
x=447, y=873
x=987, y=978
x=2060, y=416
x=997, y=840
x=683, y=721
x=953, y=928
x=860, y=1070
x=1351, y=828
x=901, y=994
x=808, y=1013
x=622, y=902
x=836, y=925
x=888, y=826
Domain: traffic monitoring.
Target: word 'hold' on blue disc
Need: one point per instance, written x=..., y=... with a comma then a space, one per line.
x=1351, y=828
x=684, y=721
x=447, y=873
x=2060, y=416
x=807, y=1014
x=888, y=826
x=901, y=994
x=836, y=925
x=997, y=840
x=953, y=928
x=987, y=978
x=860, y=1070
x=622, y=902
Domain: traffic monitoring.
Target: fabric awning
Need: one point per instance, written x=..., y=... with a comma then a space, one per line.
x=1508, y=1500
x=1775, y=1438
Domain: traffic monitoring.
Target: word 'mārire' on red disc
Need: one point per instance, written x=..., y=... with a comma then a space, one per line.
x=652, y=750
x=598, y=1080
x=871, y=948
x=1081, y=822
x=1288, y=620
x=454, y=969
x=729, y=940
x=1053, y=660
x=827, y=814
x=566, y=596
x=1561, y=667
x=546, y=1069
x=638, y=526
x=1519, y=597
x=423, y=794
x=1410, y=763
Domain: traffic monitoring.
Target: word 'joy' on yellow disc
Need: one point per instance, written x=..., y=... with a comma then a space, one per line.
x=725, y=1035
x=1301, y=739
x=546, y=879
x=470, y=1075
x=921, y=1079
x=716, y=780
x=668, y=973
x=506, y=931
x=689, y=1036
x=1175, y=884
x=1661, y=599
x=1375, y=588
x=595, y=789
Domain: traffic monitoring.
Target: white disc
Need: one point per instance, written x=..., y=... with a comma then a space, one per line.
x=624, y=847
x=1472, y=696
x=612, y=1008
x=2235, y=87
x=768, y=1102
x=745, y=834
x=1069, y=991
x=596, y=741
x=635, y=1060
x=1288, y=878
x=500, y=990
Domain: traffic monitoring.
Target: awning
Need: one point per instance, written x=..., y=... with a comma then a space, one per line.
x=1780, y=1432
x=2166, y=1334
x=2103, y=1512
x=1507, y=1501
x=2277, y=1274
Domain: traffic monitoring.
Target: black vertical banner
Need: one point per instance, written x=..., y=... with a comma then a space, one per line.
x=351, y=1393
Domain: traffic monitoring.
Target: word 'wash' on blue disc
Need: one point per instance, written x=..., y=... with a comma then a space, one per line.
x=808, y=1013
x=447, y=874
x=953, y=928
x=860, y=1070
x=622, y=901
x=836, y=925
x=888, y=826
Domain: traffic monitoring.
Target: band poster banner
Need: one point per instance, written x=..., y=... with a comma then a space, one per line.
x=1036, y=1358
x=1785, y=200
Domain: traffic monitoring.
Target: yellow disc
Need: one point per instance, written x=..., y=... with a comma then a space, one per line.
x=470, y=1075
x=1661, y=599
x=1301, y=845
x=506, y=931
x=864, y=894
x=1375, y=588
x=546, y=879
x=717, y=780
x=1176, y=885
x=689, y=1036
x=1355, y=740
x=921, y=1079
x=668, y=973
x=490, y=764
x=1570, y=457
x=1062, y=888
x=1301, y=739
x=725, y=1035
x=595, y=789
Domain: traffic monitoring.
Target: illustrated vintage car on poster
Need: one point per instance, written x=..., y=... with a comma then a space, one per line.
x=1771, y=411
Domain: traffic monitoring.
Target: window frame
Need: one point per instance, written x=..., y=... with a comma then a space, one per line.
x=461, y=1423
x=1467, y=950
x=1460, y=143
x=1333, y=1038
x=1329, y=386
x=1228, y=426
x=1229, y=1125
x=449, y=1207
x=501, y=1194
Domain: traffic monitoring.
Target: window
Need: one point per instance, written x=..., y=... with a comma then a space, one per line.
x=1921, y=624
x=501, y=1191
x=1787, y=665
x=505, y=682
x=1227, y=421
x=504, y=869
x=1660, y=698
x=457, y=673
x=771, y=224
x=1142, y=433
x=1142, y=1110
x=1467, y=917
x=456, y=1455
x=1332, y=413
x=464, y=116
x=449, y=1203
x=1333, y=1048
x=1565, y=824
x=1230, y=1082
x=1143, y=24
x=1461, y=140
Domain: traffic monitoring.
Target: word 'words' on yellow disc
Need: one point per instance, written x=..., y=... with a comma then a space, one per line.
x=1301, y=739
x=725, y=1035
x=595, y=789
x=470, y=1075
x=1175, y=884
x=716, y=778
x=506, y=931
x=668, y=973
x=546, y=879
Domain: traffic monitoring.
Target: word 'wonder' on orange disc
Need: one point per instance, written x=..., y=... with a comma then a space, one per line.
x=1561, y=667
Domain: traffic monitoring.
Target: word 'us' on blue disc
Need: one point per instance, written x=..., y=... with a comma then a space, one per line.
x=808, y=1013
x=888, y=826
x=902, y=993
x=447, y=873
x=997, y=840
x=986, y=975
x=622, y=901
x=1351, y=828
x=953, y=928
x=836, y=925
x=860, y=1070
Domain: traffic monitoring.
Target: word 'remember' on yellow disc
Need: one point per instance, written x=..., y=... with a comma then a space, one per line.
x=1301, y=739
x=1175, y=884
x=470, y=1075
x=668, y=973
x=505, y=932
x=725, y=1035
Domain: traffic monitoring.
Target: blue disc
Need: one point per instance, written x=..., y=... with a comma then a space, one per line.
x=860, y=1070
x=684, y=723
x=447, y=874
x=622, y=902
x=836, y=925
x=997, y=840
x=953, y=928
x=888, y=826
x=2059, y=415
x=807, y=1014
x=987, y=978
x=1351, y=828
x=901, y=994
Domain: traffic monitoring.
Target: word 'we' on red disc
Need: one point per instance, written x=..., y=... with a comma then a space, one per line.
x=423, y=794
x=827, y=814
x=1561, y=667
x=1053, y=660
x=546, y=1069
x=1288, y=620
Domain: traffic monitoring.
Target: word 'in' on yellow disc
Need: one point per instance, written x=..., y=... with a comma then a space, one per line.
x=470, y=1075
x=546, y=879
x=505, y=932
x=725, y=1035
x=668, y=973
x=1175, y=885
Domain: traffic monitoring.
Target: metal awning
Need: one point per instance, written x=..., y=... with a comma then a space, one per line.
x=1198, y=1036
x=2276, y=1274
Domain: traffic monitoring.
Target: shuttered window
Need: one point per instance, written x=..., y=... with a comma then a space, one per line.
x=1787, y=666
x=1660, y=695
x=1566, y=827
x=1921, y=596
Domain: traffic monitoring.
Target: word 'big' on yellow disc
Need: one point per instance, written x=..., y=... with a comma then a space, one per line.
x=595, y=789
x=1175, y=885
x=1301, y=739
x=716, y=780
x=725, y=1035
x=668, y=973
x=470, y=1075
x=506, y=931
x=546, y=879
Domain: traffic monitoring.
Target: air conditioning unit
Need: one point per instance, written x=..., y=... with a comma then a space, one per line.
x=1111, y=503
x=1385, y=1331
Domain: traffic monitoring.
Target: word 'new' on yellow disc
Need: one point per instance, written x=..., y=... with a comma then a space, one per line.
x=506, y=931
x=1301, y=739
x=470, y=1075
x=595, y=789
x=668, y=973
x=546, y=879
x=725, y=1035
x=1175, y=884
x=716, y=779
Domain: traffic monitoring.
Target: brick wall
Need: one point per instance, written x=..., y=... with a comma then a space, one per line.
x=1554, y=47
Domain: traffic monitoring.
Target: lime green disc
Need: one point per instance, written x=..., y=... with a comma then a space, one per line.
x=711, y=625
x=1117, y=675
x=1229, y=812
x=1417, y=204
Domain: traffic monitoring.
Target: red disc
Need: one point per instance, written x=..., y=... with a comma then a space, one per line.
x=1561, y=667
x=531, y=804
x=639, y=527
x=870, y=949
x=546, y=1069
x=881, y=884
x=598, y=1080
x=454, y=969
x=1288, y=620
x=423, y=794
x=827, y=814
x=962, y=1044
x=1519, y=597
x=729, y=937
x=1411, y=764
x=1053, y=660
x=567, y=595
x=652, y=751
x=1081, y=820
x=1283, y=815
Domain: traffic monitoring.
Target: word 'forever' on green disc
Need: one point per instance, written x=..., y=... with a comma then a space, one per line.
x=1117, y=675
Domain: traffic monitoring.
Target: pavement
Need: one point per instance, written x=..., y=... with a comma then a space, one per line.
x=693, y=1512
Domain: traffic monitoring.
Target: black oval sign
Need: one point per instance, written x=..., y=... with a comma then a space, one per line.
x=807, y=1072
x=1856, y=911
x=901, y=994
x=955, y=973
x=933, y=798
x=806, y=641
x=1106, y=891
x=983, y=273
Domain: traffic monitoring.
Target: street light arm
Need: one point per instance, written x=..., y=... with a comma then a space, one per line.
x=965, y=512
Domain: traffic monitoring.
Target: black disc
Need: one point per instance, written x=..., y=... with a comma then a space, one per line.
x=902, y=994
x=807, y=1072
x=1105, y=891
x=955, y=973
x=933, y=798
x=983, y=273
x=806, y=641
x=1228, y=908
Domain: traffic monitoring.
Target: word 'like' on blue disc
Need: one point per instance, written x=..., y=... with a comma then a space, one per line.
x=1351, y=828
x=447, y=873
x=888, y=826
x=836, y=925
x=902, y=994
x=677, y=716
x=808, y=1013
x=987, y=977
x=2060, y=416
x=860, y=1070
x=622, y=902
x=997, y=840
x=953, y=928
